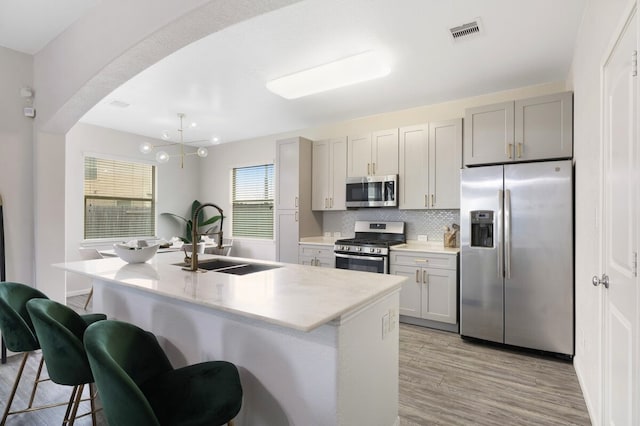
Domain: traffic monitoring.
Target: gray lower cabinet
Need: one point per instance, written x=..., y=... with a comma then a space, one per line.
x=431, y=291
x=316, y=255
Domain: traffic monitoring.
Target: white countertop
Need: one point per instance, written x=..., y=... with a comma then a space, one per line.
x=425, y=246
x=294, y=296
x=327, y=241
x=411, y=245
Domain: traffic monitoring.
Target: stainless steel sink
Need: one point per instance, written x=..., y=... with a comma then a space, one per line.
x=231, y=266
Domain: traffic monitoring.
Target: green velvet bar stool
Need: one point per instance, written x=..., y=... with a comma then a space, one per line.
x=19, y=335
x=139, y=387
x=60, y=331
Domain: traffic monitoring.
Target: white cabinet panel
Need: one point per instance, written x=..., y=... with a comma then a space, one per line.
x=488, y=134
x=373, y=154
x=294, y=217
x=430, y=161
x=316, y=255
x=445, y=161
x=539, y=128
x=287, y=173
x=384, y=153
x=439, y=296
x=411, y=292
x=414, y=173
x=359, y=155
x=543, y=127
x=287, y=234
x=329, y=174
x=431, y=291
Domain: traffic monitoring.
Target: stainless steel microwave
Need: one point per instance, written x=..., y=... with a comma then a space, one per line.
x=372, y=191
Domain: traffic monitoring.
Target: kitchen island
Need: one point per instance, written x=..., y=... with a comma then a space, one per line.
x=314, y=346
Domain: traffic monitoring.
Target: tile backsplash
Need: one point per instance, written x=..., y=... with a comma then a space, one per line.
x=417, y=222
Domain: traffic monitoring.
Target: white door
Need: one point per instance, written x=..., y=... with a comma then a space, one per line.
x=620, y=232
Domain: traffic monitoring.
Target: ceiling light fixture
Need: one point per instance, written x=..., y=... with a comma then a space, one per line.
x=163, y=156
x=343, y=72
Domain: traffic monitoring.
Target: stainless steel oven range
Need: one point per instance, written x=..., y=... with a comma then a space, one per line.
x=369, y=249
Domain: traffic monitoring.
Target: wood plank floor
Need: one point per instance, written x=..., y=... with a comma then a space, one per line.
x=444, y=380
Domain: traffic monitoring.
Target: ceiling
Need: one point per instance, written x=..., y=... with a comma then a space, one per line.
x=28, y=25
x=219, y=81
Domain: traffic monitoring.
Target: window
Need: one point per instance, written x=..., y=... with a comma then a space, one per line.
x=252, y=193
x=119, y=199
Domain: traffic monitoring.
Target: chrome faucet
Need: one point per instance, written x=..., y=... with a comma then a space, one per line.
x=195, y=234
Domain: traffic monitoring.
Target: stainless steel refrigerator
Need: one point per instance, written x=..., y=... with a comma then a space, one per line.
x=516, y=261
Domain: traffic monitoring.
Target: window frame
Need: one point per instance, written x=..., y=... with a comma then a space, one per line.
x=273, y=205
x=154, y=199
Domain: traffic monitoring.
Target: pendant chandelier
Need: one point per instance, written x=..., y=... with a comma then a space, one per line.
x=163, y=156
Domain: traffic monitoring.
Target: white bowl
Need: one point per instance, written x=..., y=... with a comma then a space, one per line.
x=135, y=254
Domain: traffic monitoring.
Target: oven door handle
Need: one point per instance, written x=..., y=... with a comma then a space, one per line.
x=351, y=256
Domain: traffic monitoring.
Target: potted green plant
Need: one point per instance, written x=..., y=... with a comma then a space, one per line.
x=202, y=221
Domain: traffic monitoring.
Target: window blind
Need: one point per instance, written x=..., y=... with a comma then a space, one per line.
x=119, y=199
x=252, y=203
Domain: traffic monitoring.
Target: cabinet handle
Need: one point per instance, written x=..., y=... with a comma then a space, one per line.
x=315, y=262
x=421, y=260
x=418, y=276
x=519, y=149
x=331, y=202
x=374, y=169
x=432, y=200
x=368, y=168
x=296, y=216
x=426, y=203
x=296, y=202
x=325, y=203
x=424, y=277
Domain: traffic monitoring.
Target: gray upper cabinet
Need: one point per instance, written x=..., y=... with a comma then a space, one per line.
x=430, y=161
x=373, y=154
x=529, y=129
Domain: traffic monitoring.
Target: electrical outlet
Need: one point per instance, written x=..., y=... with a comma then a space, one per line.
x=385, y=325
x=422, y=238
x=393, y=319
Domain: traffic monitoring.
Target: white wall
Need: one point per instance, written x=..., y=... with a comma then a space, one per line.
x=16, y=170
x=223, y=158
x=85, y=63
x=598, y=26
x=177, y=187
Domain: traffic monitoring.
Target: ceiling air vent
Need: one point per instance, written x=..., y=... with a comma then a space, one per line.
x=119, y=104
x=465, y=31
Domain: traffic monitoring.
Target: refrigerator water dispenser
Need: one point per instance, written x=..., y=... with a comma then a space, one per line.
x=481, y=228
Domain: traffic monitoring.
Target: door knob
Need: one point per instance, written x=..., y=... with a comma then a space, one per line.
x=597, y=281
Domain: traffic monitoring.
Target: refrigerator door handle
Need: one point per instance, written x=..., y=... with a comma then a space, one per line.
x=499, y=234
x=507, y=234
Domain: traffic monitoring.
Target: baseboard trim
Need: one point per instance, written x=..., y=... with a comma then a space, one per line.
x=577, y=367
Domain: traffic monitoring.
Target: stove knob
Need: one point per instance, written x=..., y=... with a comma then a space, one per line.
x=359, y=249
x=372, y=250
x=379, y=251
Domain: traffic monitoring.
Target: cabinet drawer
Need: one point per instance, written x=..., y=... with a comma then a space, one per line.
x=424, y=260
x=306, y=250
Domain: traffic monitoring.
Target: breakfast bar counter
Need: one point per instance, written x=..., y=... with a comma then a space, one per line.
x=314, y=346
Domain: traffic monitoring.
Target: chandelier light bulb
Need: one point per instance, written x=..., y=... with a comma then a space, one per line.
x=202, y=152
x=162, y=157
x=145, y=147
